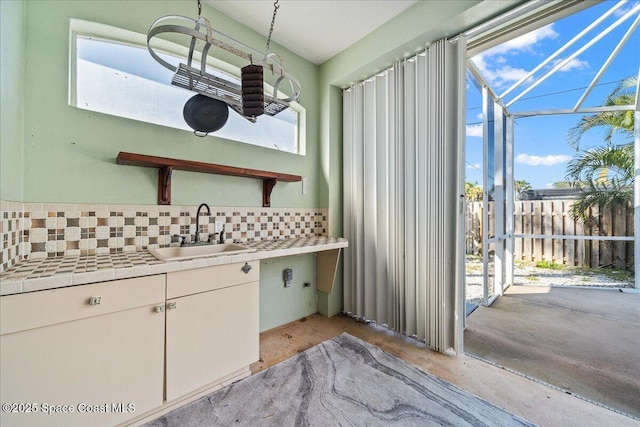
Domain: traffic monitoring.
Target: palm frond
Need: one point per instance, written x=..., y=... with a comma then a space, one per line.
x=613, y=122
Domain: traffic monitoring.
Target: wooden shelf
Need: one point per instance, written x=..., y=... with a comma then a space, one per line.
x=166, y=166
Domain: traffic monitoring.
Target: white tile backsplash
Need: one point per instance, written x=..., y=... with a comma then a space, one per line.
x=36, y=231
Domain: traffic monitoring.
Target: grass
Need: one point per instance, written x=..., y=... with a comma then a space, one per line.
x=549, y=264
x=611, y=273
x=580, y=275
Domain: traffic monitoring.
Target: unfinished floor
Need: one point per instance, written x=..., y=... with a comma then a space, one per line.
x=584, y=341
x=536, y=402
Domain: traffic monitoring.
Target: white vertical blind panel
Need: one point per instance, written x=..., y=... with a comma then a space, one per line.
x=455, y=88
x=393, y=319
x=410, y=192
x=460, y=71
x=348, y=205
x=401, y=185
x=399, y=190
x=369, y=210
x=382, y=200
x=358, y=198
x=422, y=180
x=432, y=211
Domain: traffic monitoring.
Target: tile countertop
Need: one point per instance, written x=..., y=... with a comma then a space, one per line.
x=50, y=273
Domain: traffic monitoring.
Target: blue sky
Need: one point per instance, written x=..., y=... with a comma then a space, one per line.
x=541, y=151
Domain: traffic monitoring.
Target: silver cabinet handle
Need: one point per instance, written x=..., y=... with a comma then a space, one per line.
x=171, y=305
x=246, y=268
x=159, y=308
x=94, y=300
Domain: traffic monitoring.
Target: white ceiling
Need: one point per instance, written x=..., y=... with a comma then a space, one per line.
x=315, y=30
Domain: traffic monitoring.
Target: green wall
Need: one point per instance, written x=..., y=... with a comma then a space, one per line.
x=11, y=122
x=280, y=305
x=70, y=153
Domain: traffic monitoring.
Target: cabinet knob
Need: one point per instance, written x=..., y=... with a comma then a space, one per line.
x=159, y=308
x=94, y=300
x=246, y=268
x=171, y=305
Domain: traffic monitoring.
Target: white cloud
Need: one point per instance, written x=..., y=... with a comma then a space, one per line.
x=492, y=65
x=523, y=43
x=548, y=160
x=474, y=130
x=498, y=76
x=574, y=64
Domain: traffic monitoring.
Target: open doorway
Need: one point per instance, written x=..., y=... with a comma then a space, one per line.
x=549, y=196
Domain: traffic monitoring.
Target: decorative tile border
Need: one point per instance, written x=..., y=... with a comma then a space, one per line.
x=51, y=230
x=11, y=227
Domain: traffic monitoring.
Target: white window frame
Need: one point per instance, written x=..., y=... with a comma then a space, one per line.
x=88, y=29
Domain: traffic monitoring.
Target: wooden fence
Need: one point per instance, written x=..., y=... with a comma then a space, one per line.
x=552, y=217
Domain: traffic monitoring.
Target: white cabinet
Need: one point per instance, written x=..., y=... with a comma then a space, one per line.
x=212, y=325
x=96, y=350
x=108, y=353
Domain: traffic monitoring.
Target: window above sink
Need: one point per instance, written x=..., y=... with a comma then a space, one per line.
x=113, y=73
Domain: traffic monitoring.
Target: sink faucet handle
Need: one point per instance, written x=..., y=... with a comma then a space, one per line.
x=179, y=238
x=221, y=239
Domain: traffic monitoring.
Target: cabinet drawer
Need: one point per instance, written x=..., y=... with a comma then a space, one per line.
x=188, y=282
x=32, y=310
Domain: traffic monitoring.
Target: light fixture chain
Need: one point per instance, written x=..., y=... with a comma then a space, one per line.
x=273, y=21
x=199, y=9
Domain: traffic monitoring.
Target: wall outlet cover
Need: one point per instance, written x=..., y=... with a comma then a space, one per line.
x=287, y=274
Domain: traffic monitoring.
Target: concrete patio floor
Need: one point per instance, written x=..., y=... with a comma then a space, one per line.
x=584, y=341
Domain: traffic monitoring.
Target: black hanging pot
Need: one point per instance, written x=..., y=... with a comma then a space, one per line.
x=205, y=115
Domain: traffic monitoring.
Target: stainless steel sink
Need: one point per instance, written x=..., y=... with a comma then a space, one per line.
x=177, y=253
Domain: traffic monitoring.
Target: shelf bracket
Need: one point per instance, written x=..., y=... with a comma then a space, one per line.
x=267, y=187
x=164, y=185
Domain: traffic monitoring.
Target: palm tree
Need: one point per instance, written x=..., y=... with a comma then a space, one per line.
x=614, y=122
x=521, y=185
x=605, y=174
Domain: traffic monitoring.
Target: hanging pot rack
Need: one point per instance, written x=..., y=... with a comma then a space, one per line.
x=191, y=77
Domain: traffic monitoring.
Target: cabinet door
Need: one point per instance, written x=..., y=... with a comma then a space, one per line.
x=106, y=369
x=209, y=336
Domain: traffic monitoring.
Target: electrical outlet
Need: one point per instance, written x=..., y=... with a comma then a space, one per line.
x=219, y=226
x=287, y=274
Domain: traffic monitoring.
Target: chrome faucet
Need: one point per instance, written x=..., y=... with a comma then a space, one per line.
x=197, y=240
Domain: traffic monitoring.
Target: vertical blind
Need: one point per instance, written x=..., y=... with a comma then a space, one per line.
x=402, y=192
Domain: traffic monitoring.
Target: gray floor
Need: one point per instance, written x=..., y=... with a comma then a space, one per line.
x=343, y=381
x=585, y=341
